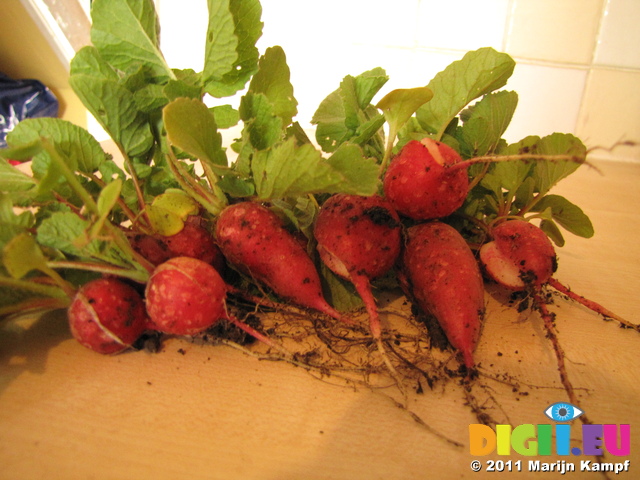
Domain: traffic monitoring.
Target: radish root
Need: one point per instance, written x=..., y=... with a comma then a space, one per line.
x=590, y=304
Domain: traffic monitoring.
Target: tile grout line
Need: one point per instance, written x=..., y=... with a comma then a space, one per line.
x=580, y=120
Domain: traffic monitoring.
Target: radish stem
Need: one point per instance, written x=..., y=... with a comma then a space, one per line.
x=257, y=335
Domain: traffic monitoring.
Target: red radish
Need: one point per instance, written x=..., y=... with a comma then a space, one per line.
x=193, y=241
x=359, y=239
x=520, y=256
x=185, y=296
x=441, y=274
x=197, y=242
x=151, y=247
x=418, y=183
x=254, y=239
x=107, y=315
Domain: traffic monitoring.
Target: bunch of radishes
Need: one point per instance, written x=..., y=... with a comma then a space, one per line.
x=184, y=295
x=358, y=238
x=395, y=187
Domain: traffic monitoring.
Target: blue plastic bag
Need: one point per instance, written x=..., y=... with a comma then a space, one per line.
x=20, y=99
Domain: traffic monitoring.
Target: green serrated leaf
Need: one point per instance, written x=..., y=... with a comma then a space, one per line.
x=549, y=172
x=485, y=122
x=231, y=56
x=511, y=174
x=264, y=127
x=493, y=184
x=360, y=175
x=553, y=232
x=21, y=255
x=113, y=105
x=188, y=84
x=301, y=212
x=273, y=81
x=150, y=98
x=226, y=116
x=343, y=114
x=367, y=84
x=399, y=105
x=73, y=142
x=108, y=197
x=191, y=126
x=479, y=72
x=367, y=130
x=525, y=193
x=63, y=230
x=289, y=170
x=330, y=117
x=12, y=179
x=566, y=214
x=351, y=102
x=133, y=39
x=236, y=187
x=339, y=293
x=68, y=233
x=9, y=216
x=88, y=61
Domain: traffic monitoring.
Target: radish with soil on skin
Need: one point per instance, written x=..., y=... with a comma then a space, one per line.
x=359, y=239
x=186, y=296
x=441, y=275
x=151, y=247
x=254, y=239
x=520, y=256
x=194, y=240
x=107, y=315
x=197, y=242
x=419, y=184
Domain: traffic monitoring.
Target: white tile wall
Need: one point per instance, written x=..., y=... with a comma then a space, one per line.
x=619, y=41
x=549, y=99
x=554, y=30
x=611, y=112
x=578, y=61
x=462, y=24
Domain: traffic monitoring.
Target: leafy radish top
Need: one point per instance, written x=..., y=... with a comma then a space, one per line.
x=82, y=208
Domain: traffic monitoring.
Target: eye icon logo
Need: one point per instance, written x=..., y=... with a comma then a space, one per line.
x=562, y=412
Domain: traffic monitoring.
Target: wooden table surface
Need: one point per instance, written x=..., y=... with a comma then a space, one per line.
x=197, y=411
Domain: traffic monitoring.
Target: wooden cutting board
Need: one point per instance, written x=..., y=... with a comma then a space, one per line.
x=196, y=411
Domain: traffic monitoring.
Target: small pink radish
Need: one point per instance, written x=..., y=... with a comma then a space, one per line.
x=185, y=296
x=254, y=239
x=442, y=276
x=418, y=183
x=197, y=242
x=520, y=256
x=194, y=240
x=107, y=315
x=151, y=247
x=359, y=239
